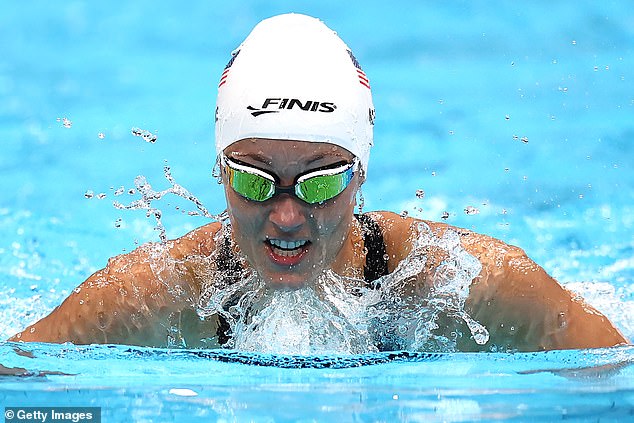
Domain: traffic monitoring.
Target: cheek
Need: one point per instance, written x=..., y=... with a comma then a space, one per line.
x=244, y=218
x=333, y=222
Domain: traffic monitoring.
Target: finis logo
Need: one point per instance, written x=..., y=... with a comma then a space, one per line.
x=276, y=105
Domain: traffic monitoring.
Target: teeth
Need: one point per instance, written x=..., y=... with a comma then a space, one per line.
x=287, y=245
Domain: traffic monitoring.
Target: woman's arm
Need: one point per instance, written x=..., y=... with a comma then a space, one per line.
x=526, y=309
x=140, y=298
x=522, y=307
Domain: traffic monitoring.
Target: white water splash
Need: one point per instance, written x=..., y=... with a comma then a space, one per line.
x=340, y=315
x=304, y=321
x=408, y=316
x=148, y=196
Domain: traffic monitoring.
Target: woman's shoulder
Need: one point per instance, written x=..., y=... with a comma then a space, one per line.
x=399, y=231
x=200, y=241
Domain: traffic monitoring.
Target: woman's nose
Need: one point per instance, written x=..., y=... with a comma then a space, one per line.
x=287, y=213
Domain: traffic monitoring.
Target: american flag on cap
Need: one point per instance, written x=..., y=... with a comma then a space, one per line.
x=363, y=78
x=225, y=73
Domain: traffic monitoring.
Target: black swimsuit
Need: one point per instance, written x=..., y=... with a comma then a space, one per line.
x=376, y=257
x=375, y=264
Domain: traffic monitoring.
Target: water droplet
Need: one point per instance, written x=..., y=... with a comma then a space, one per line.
x=131, y=191
x=561, y=320
x=101, y=135
x=386, y=257
x=66, y=123
x=445, y=215
x=481, y=338
x=420, y=193
x=117, y=223
x=89, y=194
x=119, y=191
x=470, y=210
x=101, y=196
x=404, y=213
x=146, y=135
x=102, y=320
x=574, y=42
x=507, y=117
x=32, y=330
x=524, y=140
x=433, y=173
x=515, y=138
x=77, y=290
x=596, y=68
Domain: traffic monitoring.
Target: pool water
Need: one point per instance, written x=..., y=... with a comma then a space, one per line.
x=141, y=384
x=515, y=121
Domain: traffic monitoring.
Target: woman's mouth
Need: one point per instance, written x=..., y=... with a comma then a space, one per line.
x=287, y=253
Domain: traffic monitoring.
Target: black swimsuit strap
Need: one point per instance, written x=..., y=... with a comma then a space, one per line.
x=376, y=257
x=227, y=265
x=226, y=262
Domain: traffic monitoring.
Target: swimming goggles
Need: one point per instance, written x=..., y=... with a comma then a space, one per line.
x=314, y=186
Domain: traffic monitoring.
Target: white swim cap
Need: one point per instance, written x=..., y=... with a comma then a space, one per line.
x=293, y=78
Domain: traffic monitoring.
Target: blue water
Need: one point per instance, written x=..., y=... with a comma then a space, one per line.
x=523, y=111
x=139, y=384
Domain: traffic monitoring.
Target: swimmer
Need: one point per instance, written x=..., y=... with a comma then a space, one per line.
x=294, y=128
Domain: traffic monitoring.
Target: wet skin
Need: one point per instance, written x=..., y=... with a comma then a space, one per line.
x=318, y=230
x=137, y=298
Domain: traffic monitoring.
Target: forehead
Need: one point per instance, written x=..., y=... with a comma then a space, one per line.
x=273, y=150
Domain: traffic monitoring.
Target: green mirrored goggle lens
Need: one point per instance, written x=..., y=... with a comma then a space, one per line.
x=313, y=187
x=250, y=185
x=318, y=189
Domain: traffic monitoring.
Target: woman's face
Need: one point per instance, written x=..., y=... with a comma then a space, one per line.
x=288, y=241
